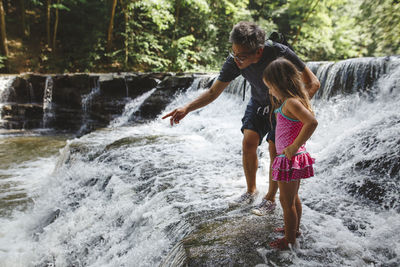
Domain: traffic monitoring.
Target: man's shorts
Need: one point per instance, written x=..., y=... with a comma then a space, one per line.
x=258, y=118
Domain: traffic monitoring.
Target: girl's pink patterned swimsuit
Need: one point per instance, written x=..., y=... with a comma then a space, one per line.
x=300, y=166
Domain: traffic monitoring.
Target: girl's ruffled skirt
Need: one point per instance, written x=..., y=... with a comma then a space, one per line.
x=300, y=167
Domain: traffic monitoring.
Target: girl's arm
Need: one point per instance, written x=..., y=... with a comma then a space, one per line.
x=295, y=109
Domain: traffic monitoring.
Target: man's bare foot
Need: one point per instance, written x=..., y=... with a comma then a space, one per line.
x=245, y=199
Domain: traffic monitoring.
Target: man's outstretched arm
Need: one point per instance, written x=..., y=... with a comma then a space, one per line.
x=204, y=99
x=311, y=81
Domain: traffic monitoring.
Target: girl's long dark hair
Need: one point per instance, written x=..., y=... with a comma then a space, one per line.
x=283, y=75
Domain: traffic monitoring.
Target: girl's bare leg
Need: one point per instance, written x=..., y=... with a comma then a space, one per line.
x=288, y=193
x=299, y=209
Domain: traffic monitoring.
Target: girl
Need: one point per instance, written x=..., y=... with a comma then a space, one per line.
x=295, y=123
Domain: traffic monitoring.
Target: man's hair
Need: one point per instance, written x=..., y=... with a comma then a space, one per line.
x=247, y=34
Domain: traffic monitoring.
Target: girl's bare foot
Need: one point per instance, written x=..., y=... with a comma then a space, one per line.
x=282, y=230
x=281, y=244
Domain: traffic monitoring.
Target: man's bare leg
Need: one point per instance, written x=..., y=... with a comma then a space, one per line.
x=250, y=143
x=250, y=165
x=268, y=204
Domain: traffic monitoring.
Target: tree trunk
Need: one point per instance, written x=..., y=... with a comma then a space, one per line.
x=126, y=44
x=48, y=10
x=4, y=47
x=126, y=37
x=21, y=7
x=111, y=26
x=55, y=28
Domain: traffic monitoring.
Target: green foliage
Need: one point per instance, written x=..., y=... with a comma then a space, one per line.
x=2, y=61
x=184, y=58
x=333, y=29
x=192, y=35
x=60, y=7
x=380, y=22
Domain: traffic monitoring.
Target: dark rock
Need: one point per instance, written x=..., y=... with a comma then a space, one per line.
x=173, y=83
x=385, y=165
x=21, y=116
x=164, y=94
x=91, y=182
x=104, y=109
x=69, y=89
x=370, y=190
x=51, y=218
x=103, y=187
x=81, y=102
x=112, y=87
x=28, y=88
x=37, y=85
x=137, y=85
x=65, y=118
x=159, y=75
x=47, y=221
x=18, y=92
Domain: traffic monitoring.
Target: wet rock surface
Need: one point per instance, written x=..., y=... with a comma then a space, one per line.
x=85, y=102
x=163, y=96
x=224, y=242
x=21, y=116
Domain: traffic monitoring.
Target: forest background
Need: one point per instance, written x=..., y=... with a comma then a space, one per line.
x=62, y=36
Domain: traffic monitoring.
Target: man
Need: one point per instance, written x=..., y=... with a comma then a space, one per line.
x=249, y=56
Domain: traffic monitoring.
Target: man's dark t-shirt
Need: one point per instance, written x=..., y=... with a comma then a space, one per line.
x=253, y=73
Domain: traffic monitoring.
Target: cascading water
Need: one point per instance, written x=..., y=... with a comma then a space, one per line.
x=126, y=79
x=86, y=104
x=135, y=195
x=5, y=82
x=48, y=112
x=130, y=109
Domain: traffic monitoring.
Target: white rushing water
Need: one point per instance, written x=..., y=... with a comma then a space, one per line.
x=5, y=82
x=48, y=109
x=124, y=196
x=130, y=109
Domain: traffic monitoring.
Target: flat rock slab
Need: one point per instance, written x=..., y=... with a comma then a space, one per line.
x=225, y=242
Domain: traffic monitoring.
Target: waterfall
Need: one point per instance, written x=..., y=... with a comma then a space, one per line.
x=5, y=83
x=130, y=108
x=86, y=105
x=155, y=195
x=48, y=110
x=5, y=88
x=236, y=88
x=134, y=106
x=350, y=76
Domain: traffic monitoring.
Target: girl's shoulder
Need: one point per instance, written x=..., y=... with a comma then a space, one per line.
x=292, y=102
x=291, y=106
